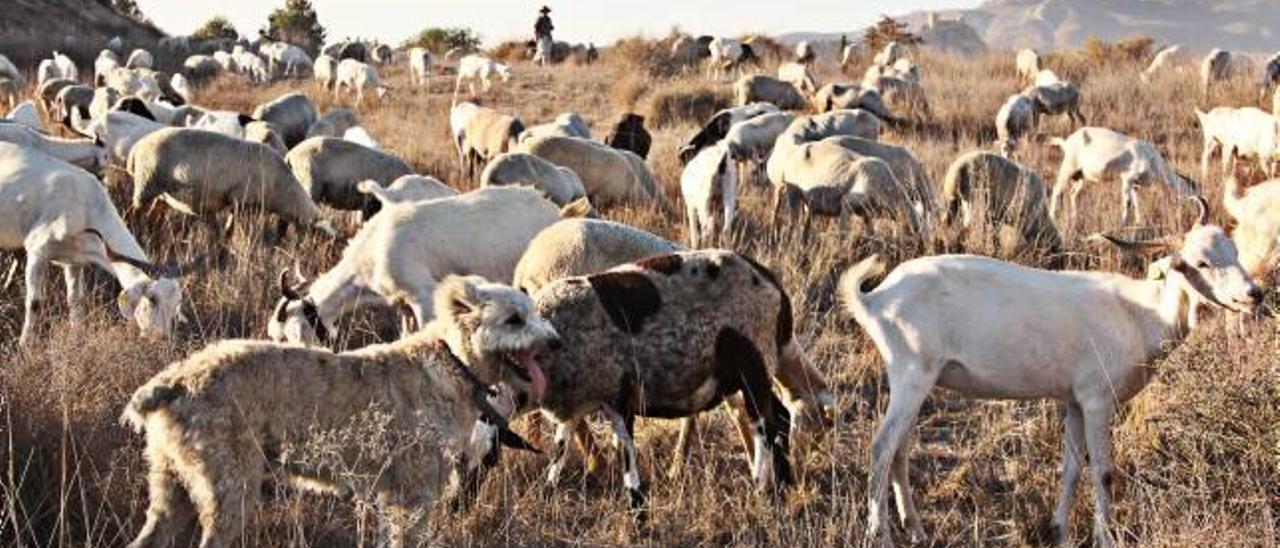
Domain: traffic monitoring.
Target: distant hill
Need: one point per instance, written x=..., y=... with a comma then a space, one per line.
x=1240, y=25
x=30, y=29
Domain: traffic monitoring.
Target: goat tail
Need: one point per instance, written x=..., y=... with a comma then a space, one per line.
x=850, y=287
x=372, y=187
x=150, y=397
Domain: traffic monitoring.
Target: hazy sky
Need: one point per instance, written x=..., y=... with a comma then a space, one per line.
x=576, y=20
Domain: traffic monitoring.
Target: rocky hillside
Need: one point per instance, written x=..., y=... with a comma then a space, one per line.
x=1241, y=25
x=29, y=29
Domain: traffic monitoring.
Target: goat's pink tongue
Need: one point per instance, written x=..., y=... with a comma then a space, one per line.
x=537, y=381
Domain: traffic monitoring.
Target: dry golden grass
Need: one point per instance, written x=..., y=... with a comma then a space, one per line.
x=1197, y=454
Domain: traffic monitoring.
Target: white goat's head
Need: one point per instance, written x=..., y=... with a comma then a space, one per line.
x=1205, y=264
x=152, y=305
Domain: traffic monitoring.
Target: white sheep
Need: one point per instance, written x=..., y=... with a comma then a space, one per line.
x=991, y=329
x=57, y=212
x=323, y=70
x=1257, y=215
x=798, y=75
x=709, y=185
x=202, y=173
x=478, y=68
x=360, y=136
x=1098, y=155
x=103, y=100
x=1017, y=118
x=1169, y=57
x=1215, y=68
x=103, y=64
x=559, y=184
x=293, y=114
x=726, y=54
x=131, y=82
x=284, y=58
x=330, y=170
x=420, y=60
x=759, y=88
x=1006, y=194
x=140, y=59
x=59, y=66
x=487, y=134
x=1028, y=64
x=751, y=141
x=402, y=254
x=569, y=124
x=460, y=115
x=357, y=76
x=85, y=153
x=10, y=71
x=253, y=67
x=26, y=114
x=902, y=92
x=827, y=179
x=608, y=175
x=1245, y=132
x=1046, y=77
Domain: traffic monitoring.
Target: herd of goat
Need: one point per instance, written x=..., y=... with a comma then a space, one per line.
x=600, y=316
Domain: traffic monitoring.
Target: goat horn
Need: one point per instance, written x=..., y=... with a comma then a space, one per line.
x=1132, y=247
x=287, y=291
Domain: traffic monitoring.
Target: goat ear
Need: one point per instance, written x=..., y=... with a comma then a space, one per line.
x=128, y=300
x=1202, y=218
x=287, y=291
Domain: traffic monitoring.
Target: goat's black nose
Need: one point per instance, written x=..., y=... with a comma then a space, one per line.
x=1256, y=294
x=555, y=344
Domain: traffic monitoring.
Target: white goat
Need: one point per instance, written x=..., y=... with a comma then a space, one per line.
x=798, y=75
x=751, y=141
x=726, y=54
x=1028, y=63
x=1257, y=215
x=323, y=70
x=460, y=114
x=473, y=68
x=978, y=326
x=1248, y=131
x=57, y=212
x=118, y=131
x=140, y=59
x=106, y=61
x=356, y=76
x=85, y=153
x=1098, y=154
x=420, y=61
x=709, y=185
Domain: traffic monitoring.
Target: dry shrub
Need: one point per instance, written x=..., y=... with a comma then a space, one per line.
x=510, y=51
x=628, y=92
x=643, y=56
x=686, y=102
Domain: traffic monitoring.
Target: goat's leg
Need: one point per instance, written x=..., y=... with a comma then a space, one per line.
x=907, y=392
x=561, y=455
x=769, y=418
x=1073, y=452
x=74, y=277
x=684, y=443
x=222, y=491
x=587, y=444
x=902, y=494
x=729, y=204
x=1097, y=434
x=623, y=426
x=691, y=213
x=1055, y=198
x=37, y=268
x=1129, y=201
x=1076, y=187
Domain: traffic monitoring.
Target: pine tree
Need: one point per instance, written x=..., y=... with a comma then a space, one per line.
x=886, y=30
x=295, y=23
x=217, y=27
